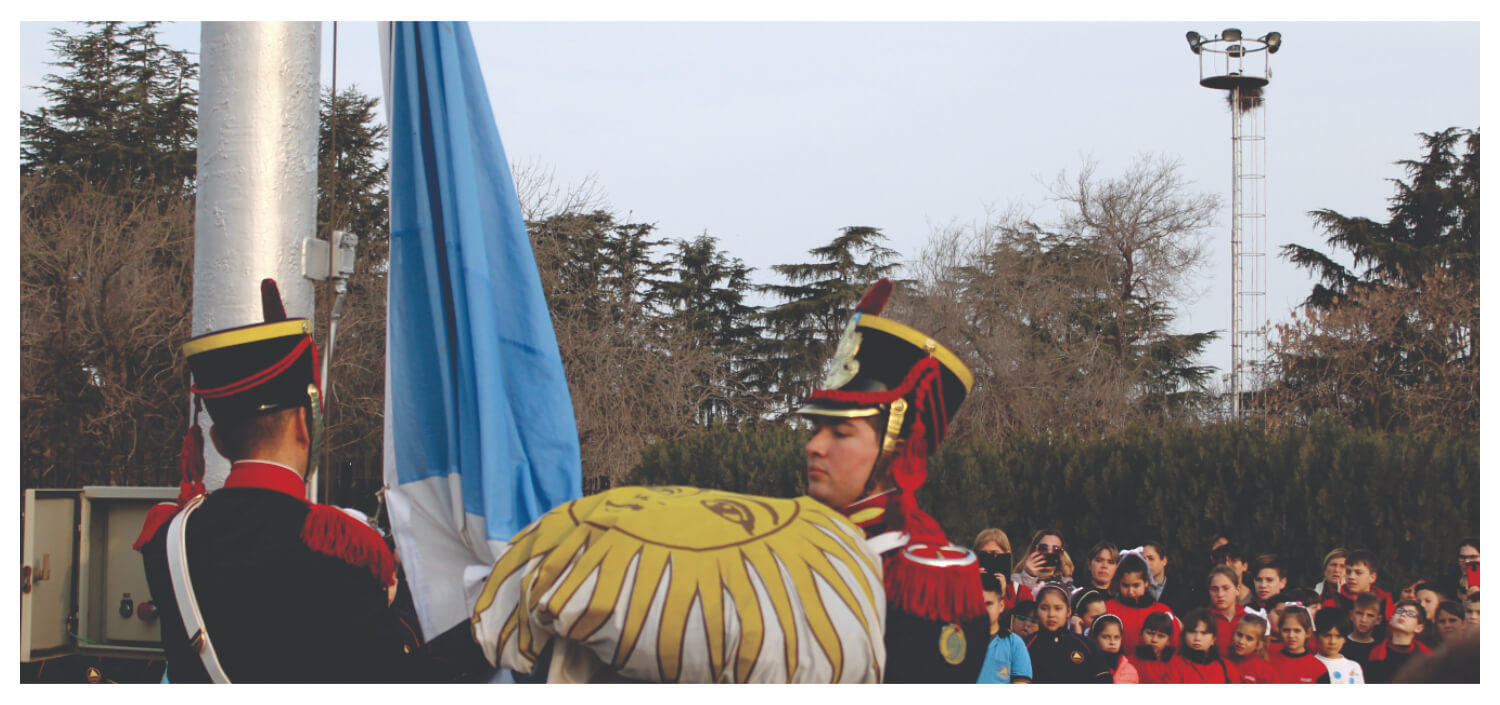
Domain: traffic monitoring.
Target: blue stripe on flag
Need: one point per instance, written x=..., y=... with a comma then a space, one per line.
x=477, y=381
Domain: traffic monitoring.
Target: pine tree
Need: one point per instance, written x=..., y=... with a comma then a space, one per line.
x=1393, y=341
x=705, y=295
x=819, y=297
x=123, y=115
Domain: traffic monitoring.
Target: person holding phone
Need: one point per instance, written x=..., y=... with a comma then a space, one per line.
x=1046, y=561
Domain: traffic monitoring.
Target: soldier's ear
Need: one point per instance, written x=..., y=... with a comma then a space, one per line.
x=300, y=427
x=213, y=435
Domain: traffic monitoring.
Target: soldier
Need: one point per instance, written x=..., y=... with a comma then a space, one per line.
x=884, y=407
x=278, y=589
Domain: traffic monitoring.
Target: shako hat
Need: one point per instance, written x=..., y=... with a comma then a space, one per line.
x=252, y=370
x=882, y=366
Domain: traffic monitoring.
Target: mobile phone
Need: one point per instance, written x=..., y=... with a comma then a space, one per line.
x=1053, y=559
x=1471, y=574
x=995, y=563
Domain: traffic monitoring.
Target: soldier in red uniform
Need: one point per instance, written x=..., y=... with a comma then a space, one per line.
x=886, y=404
x=278, y=589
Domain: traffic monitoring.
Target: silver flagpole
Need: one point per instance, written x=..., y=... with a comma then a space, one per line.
x=257, y=176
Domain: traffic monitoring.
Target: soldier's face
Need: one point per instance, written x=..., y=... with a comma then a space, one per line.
x=840, y=458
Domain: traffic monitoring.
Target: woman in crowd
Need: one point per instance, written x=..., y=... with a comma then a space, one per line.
x=1047, y=561
x=1104, y=557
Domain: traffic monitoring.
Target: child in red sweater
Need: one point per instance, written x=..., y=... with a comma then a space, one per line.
x=1294, y=662
x=1198, y=661
x=1153, y=656
x=1133, y=601
x=1360, y=575
x=1248, y=653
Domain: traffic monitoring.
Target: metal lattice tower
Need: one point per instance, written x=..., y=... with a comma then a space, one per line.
x=1242, y=66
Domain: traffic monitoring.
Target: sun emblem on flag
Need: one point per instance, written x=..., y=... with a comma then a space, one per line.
x=684, y=584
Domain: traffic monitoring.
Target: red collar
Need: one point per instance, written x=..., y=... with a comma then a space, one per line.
x=267, y=476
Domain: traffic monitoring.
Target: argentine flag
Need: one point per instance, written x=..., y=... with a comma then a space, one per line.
x=479, y=432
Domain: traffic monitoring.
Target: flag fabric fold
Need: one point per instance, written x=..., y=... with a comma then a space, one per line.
x=480, y=435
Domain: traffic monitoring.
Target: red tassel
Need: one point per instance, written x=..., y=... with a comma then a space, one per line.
x=331, y=532
x=191, y=459
x=156, y=517
x=874, y=299
x=939, y=593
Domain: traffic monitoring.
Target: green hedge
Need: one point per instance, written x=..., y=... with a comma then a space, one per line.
x=1297, y=492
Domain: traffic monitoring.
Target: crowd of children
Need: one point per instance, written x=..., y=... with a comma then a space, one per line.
x=1120, y=619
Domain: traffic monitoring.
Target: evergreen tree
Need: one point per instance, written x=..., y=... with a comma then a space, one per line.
x=122, y=116
x=354, y=196
x=818, y=300
x=1393, y=341
x=706, y=299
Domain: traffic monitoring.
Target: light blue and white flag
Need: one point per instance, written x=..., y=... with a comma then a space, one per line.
x=479, y=432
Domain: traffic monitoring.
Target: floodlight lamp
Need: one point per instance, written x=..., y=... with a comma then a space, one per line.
x=1231, y=35
x=1273, y=42
x=1194, y=40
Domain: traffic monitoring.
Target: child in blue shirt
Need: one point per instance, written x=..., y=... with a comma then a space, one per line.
x=1006, y=659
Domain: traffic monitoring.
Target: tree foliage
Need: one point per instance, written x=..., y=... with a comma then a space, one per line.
x=1393, y=341
x=1068, y=326
x=1297, y=492
x=803, y=330
x=353, y=196
x=122, y=116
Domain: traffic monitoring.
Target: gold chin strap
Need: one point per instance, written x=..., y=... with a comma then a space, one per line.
x=893, y=425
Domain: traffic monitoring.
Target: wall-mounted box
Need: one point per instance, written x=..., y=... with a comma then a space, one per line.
x=83, y=589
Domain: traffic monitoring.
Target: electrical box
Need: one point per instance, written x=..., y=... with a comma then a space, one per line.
x=83, y=588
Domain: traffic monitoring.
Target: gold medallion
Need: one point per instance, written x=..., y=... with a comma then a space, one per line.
x=952, y=644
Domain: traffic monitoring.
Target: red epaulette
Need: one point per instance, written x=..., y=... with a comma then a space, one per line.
x=936, y=583
x=157, y=517
x=331, y=532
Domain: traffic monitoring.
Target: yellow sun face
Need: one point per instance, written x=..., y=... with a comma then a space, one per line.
x=682, y=584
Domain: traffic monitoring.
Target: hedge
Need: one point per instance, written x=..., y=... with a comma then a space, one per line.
x=1297, y=492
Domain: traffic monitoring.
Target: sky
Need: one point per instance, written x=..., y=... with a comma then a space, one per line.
x=771, y=136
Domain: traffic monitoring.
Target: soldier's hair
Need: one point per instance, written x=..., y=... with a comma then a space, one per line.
x=244, y=438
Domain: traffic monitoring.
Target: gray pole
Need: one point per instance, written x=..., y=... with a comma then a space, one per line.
x=257, y=176
x=1236, y=382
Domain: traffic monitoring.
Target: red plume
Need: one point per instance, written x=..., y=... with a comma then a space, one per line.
x=270, y=301
x=874, y=301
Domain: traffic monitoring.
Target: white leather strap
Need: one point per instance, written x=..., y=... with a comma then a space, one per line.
x=888, y=541
x=187, y=603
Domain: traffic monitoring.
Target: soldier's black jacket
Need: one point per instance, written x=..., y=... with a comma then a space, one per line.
x=289, y=591
x=915, y=645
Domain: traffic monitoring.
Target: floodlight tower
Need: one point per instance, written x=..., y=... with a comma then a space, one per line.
x=1241, y=65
